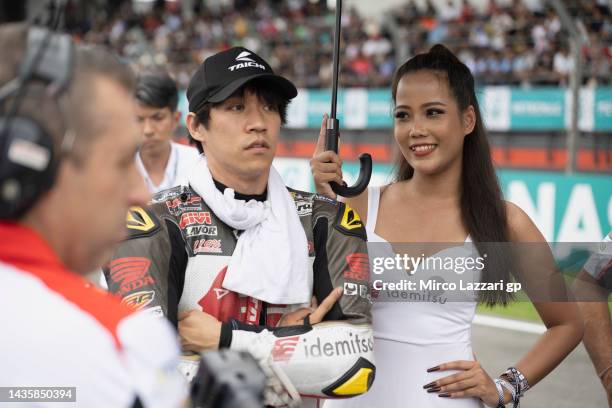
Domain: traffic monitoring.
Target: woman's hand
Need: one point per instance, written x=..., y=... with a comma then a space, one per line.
x=472, y=382
x=325, y=166
x=198, y=331
x=316, y=312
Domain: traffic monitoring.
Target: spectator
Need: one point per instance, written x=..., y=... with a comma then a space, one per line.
x=449, y=12
x=563, y=64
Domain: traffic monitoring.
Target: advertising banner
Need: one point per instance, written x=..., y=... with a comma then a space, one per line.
x=503, y=108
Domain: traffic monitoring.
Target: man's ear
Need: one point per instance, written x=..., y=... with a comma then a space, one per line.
x=195, y=128
x=469, y=120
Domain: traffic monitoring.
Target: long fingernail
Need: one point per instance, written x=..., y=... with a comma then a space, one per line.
x=444, y=395
x=435, y=389
x=431, y=384
x=436, y=368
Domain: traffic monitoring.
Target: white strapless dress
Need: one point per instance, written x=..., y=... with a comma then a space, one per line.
x=409, y=338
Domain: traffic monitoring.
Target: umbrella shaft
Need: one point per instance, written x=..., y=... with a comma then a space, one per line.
x=336, y=58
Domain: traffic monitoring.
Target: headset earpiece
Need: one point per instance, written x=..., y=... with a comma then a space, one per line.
x=28, y=167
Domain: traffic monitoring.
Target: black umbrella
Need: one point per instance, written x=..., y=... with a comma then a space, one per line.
x=332, y=132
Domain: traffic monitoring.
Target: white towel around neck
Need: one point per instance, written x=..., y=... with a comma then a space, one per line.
x=270, y=262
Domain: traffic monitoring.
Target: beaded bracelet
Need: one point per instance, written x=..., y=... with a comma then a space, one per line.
x=500, y=384
x=520, y=382
x=516, y=384
x=501, y=402
x=513, y=397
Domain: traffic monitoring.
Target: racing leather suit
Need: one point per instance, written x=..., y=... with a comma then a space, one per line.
x=175, y=260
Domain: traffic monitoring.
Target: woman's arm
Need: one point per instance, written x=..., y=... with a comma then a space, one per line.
x=561, y=318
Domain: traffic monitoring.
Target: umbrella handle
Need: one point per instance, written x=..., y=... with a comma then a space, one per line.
x=332, y=133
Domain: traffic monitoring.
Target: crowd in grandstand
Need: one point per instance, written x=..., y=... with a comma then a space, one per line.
x=504, y=43
x=513, y=43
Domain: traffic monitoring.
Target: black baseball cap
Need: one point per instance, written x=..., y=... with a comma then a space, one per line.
x=220, y=75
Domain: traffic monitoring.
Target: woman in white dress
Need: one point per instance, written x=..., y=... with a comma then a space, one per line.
x=445, y=191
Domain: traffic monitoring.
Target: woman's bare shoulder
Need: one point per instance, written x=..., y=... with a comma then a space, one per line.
x=521, y=226
x=360, y=203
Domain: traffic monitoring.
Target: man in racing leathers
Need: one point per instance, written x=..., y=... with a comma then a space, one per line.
x=233, y=253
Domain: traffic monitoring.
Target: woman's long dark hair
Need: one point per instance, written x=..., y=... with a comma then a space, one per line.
x=483, y=210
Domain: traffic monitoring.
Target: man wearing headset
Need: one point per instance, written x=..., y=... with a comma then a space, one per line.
x=234, y=254
x=67, y=177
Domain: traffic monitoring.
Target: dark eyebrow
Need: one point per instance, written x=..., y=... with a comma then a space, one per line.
x=434, y=103
x=152, y=115
x=425, y=105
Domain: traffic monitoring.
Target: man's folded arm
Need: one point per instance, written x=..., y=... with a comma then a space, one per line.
x=334, y=358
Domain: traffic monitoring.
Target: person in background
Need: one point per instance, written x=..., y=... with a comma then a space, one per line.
x=68, y=137
x=162, y=162
x=593, y=288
